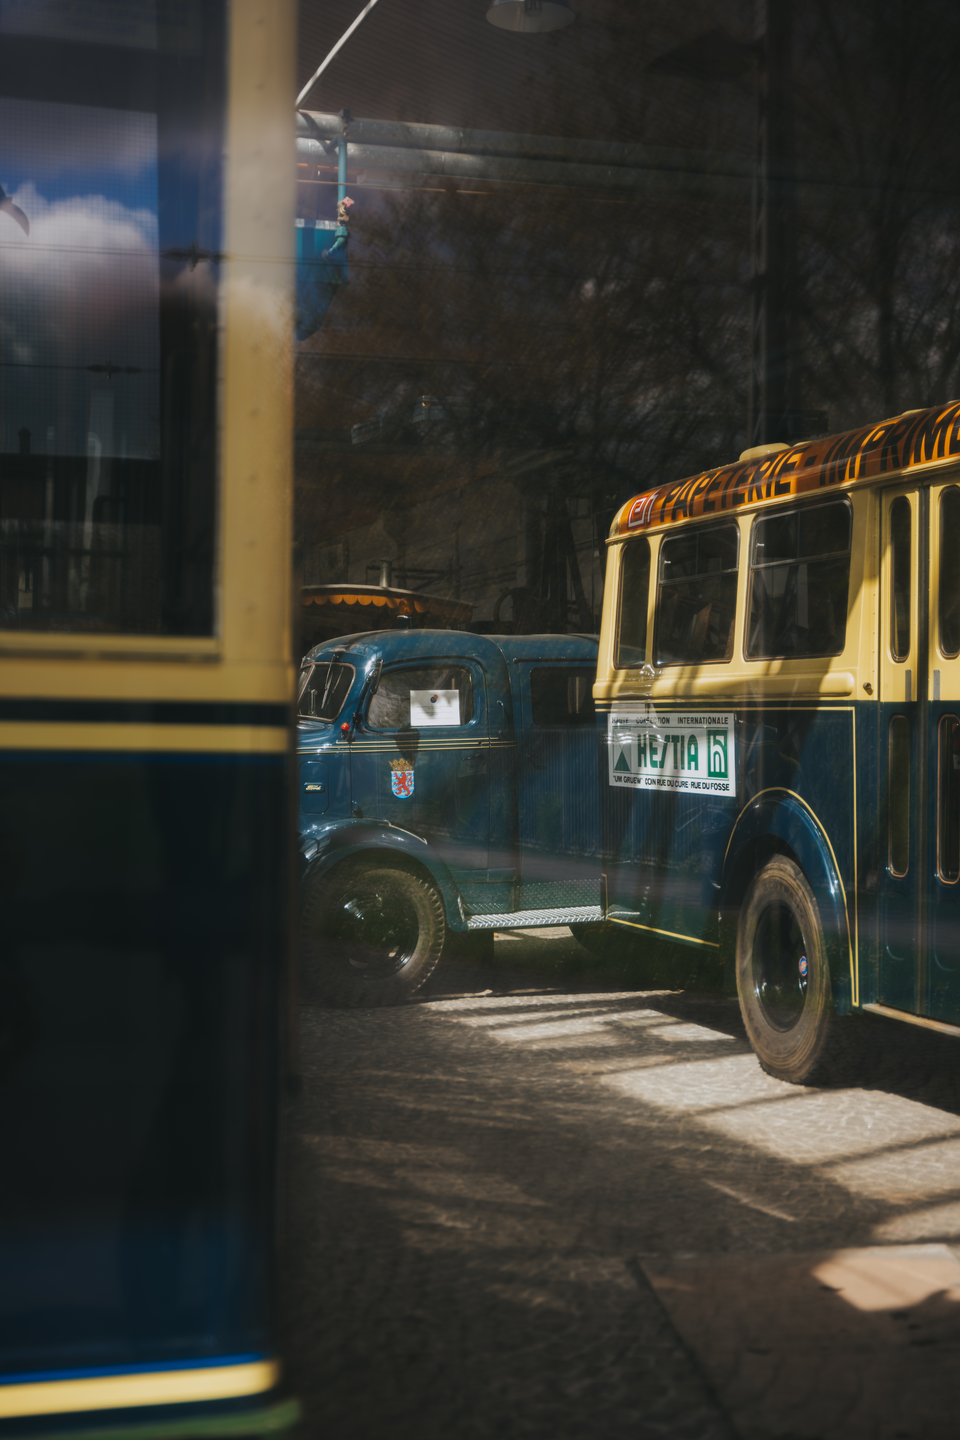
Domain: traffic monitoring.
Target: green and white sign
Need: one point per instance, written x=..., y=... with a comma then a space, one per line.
x=690, y=751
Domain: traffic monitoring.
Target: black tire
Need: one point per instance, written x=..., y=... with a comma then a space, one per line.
x=783, y=979
x=369, y=935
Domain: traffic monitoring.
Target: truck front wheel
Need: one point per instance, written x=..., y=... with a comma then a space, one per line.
x=369, y=935
x=783, y=980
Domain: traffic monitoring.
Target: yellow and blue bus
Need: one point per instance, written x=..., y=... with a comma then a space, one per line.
x=779, y=699
x=146, y=244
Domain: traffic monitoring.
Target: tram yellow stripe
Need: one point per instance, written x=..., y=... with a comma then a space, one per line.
x=119, y=1392
x=211, y=739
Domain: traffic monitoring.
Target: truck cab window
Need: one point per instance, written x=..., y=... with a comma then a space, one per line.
x=425, y=696
x=562, y=696
x=323, y=689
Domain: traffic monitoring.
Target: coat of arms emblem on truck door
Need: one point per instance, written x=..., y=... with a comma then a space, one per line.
x=401, y=778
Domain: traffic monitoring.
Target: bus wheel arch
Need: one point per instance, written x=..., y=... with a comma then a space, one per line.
x=372, y=928
x=778, y=824
x=783, y=973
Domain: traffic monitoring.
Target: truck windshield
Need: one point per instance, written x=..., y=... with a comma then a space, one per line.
x=323, y=689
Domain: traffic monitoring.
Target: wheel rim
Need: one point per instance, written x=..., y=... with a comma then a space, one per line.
x=376, y=933
x=780, y=967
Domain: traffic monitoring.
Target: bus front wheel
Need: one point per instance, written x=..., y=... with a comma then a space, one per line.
x=783, y=980
x=369, y=935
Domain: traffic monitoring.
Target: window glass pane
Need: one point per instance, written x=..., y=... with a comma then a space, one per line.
x=798, y=603
x=634, y=598
x=109, y=262
x=775, y=538
x=898, y=823
x=323, y=689
x=404, y=698
x=948, y=849
x=949, y=603
x=562, y=696
x=696, y=605
x=900, y=584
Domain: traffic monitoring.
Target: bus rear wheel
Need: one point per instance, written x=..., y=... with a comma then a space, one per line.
x=369, y=935
x=783, y=980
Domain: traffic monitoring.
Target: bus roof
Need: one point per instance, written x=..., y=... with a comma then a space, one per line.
x=895, y=445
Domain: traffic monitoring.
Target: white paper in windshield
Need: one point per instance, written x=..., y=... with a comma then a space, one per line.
x=434, y=707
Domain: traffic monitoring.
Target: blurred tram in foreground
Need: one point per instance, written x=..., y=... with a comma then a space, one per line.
x=779, y=702
x=146, y=247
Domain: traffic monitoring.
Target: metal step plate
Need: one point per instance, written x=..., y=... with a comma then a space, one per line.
x=534, y=919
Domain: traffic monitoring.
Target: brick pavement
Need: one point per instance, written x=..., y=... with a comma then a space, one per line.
x=479, y=1185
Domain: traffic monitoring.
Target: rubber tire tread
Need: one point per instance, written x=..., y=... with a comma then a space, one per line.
x=325, y=972
x=801, y=1055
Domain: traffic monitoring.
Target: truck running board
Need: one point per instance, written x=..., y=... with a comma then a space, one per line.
x=531, y=919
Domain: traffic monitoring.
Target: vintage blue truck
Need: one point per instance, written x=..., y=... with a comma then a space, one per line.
x=448, y=787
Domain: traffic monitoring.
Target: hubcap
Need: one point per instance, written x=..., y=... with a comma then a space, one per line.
x=376, y=933
x=780, y=967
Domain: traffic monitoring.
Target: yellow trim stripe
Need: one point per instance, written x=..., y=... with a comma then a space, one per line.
x=671, y=934
x=120, y=1392
x=211, y=739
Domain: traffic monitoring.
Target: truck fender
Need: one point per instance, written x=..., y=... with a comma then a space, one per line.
x=779, y=822
x=323, y=846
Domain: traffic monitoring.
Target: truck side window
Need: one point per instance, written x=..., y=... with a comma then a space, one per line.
x=799, y=577
x=697, y=596
x=634, y=593
x=407, y=693
x=562, y=696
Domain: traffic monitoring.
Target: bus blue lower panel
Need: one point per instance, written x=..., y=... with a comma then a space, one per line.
x=144, y=918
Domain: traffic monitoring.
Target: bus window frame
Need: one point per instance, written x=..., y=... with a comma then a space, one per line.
x=695, y=531
x=942, y=650
x=653, y=561
x=782, y=512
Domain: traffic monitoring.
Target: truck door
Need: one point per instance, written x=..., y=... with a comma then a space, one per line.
x=559, y=825
x=419, y=758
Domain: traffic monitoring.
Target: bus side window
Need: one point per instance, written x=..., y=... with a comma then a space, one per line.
x=799, y=578
x=634, y=594
x=950, y=572
x=898, y=790
x=900, y=578
x=697, y=596
x=948, y=846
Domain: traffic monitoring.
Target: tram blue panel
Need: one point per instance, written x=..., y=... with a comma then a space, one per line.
x=144, y=916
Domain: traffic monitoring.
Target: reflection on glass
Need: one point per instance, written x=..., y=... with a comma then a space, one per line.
x=949, y=599
x=898, y=824
x=799, y=575
x=109, y=233
x=948, y=849
x=900, y=584
x=697, y=596
x=634, y=598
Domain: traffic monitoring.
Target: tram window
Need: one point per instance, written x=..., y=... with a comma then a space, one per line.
x=323, y=689
x=898, y=819
x=402, y=694
x=900, y=585
x=799, y=577
x=109, y=263
x=634, y=598
x=948, y=842
x=562, y=696
x=950, y=571
x=697, y=596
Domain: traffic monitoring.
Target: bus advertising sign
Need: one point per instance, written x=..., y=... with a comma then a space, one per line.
x=691, y=752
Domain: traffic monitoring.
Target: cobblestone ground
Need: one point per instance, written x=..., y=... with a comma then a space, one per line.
x=479, y=1184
